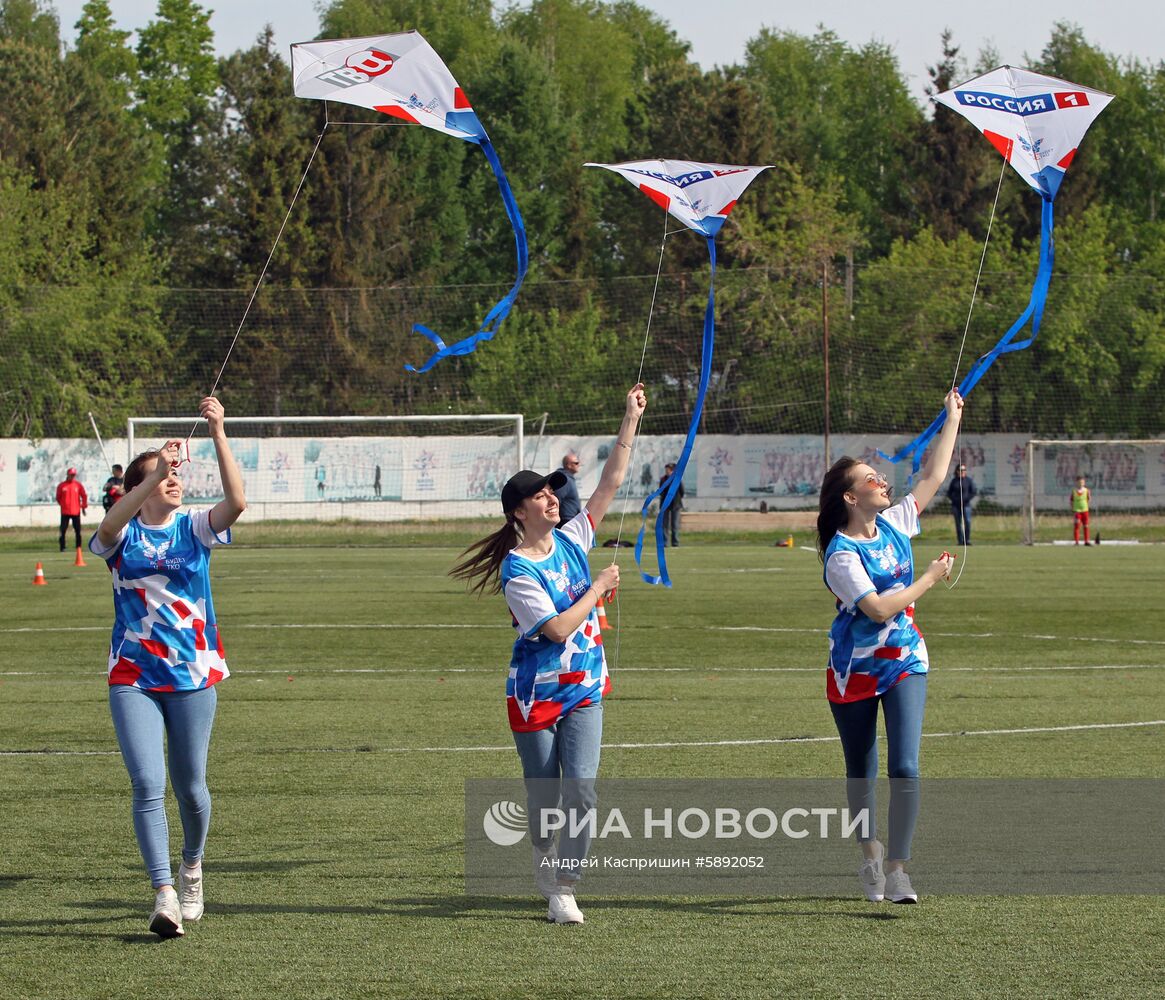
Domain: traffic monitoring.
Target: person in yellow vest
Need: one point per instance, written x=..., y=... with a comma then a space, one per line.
x=1080, y=497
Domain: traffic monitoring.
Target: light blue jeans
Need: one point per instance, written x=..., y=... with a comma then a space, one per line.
x=857, y=725
x=144, y=721
x=560, y=765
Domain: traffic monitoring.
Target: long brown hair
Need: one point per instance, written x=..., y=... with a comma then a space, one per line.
x=482, y=561
x=832, y=510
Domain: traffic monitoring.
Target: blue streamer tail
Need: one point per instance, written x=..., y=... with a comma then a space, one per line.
x=495, y=317
x=1006, y=344
x=672, y=485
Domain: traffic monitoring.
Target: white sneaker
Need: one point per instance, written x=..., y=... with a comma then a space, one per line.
x=166, y=920
x=190, y=892
x=563, y=908
x=898, y=887
x=871, y=877
x=545, y=871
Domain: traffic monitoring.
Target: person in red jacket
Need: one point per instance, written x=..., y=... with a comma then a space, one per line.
x=74, y=502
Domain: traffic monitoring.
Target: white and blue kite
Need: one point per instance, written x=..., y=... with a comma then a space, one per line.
x=1036, y=123
x=700, y=195
x=402, y=76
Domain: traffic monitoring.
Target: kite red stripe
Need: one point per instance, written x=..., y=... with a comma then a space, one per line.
x=1067, y=160
x=661, y=199
x=727, y=208
x=1000, y=142
x=396, y=111
x=888, y=652
x=460, y=101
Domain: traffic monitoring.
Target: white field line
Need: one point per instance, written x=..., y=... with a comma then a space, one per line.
x=494, y=671
x=403, y=626
x=645, y=746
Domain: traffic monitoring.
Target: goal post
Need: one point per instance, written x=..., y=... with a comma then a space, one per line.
x=1125, y=475
x=359, y=467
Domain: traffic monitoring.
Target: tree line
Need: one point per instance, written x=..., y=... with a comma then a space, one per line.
x=142, y=185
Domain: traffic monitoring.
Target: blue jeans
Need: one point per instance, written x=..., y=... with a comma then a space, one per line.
x=857, y=725
x=560, y=764
x=142, y=720
x=962, y=524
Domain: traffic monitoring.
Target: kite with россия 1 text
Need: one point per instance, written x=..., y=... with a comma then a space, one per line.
x=1036, y=122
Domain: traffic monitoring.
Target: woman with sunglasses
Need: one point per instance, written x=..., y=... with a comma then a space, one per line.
x=877, y=656
x=166, y=656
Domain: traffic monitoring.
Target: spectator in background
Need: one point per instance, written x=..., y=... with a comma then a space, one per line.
x=961, y=492
x=671, y=516
x=568, y=502
x=114, y=489
x=74, y=501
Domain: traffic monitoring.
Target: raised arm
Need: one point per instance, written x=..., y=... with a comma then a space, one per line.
x=940, y=455
x=122, y=512
x=616, y=468
x=227, y=511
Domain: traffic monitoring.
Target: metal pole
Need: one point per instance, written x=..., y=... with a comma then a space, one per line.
x=825, y=342
x=100, y=444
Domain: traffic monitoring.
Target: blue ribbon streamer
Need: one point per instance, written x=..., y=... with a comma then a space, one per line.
x=1034, y=312
x=671, y=485
x=493, y=320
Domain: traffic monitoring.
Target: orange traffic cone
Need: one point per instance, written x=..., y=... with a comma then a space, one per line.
x=39, y=580
x=601, y=611
x=80, y=560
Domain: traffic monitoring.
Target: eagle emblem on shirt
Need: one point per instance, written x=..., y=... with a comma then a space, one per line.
x=156, y=553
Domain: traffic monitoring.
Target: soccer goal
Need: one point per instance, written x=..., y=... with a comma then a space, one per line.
x=1126, y=479
x=366, y=468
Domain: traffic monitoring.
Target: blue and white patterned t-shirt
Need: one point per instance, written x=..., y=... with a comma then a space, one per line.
x=550, y=679
x=867, y=658
x=165, y=635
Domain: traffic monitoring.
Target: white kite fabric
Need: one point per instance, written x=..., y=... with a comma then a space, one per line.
x=700, y=195
x=402, y=76
x=1036, y=122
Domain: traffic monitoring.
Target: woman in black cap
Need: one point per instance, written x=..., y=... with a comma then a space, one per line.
x=558, y=673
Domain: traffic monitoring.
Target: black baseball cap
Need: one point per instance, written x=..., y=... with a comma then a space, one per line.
x=526, y=483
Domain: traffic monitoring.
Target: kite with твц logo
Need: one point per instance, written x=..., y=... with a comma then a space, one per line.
x=1036, y=122
x=700, y=195
x=402, y=76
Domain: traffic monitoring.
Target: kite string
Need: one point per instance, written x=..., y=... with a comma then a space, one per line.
x=959, y=360
x=635, y=436
x=262, y=274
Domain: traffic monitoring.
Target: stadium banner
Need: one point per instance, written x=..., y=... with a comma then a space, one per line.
x=425, y=475
x=797, y=836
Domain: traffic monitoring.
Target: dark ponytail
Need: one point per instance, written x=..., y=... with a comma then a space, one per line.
x=482, y=560
x=833, y=511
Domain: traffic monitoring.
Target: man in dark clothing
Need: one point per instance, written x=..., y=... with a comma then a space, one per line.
x=961, y=492
x=114, y=488
x=568, y=501
x=671, y=516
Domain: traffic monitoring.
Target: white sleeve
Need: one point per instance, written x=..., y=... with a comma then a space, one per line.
x=580, y=529
x=100, y=550
x=847, y=578
x=200, y=525
x=529, y=603
x=904, y=516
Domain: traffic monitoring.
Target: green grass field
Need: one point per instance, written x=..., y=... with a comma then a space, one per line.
x=367, y=687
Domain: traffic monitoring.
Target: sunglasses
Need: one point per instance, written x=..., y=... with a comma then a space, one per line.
x=876, y=480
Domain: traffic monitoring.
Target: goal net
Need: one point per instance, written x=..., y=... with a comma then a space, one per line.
x=361, y=468
x=1126, y=479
